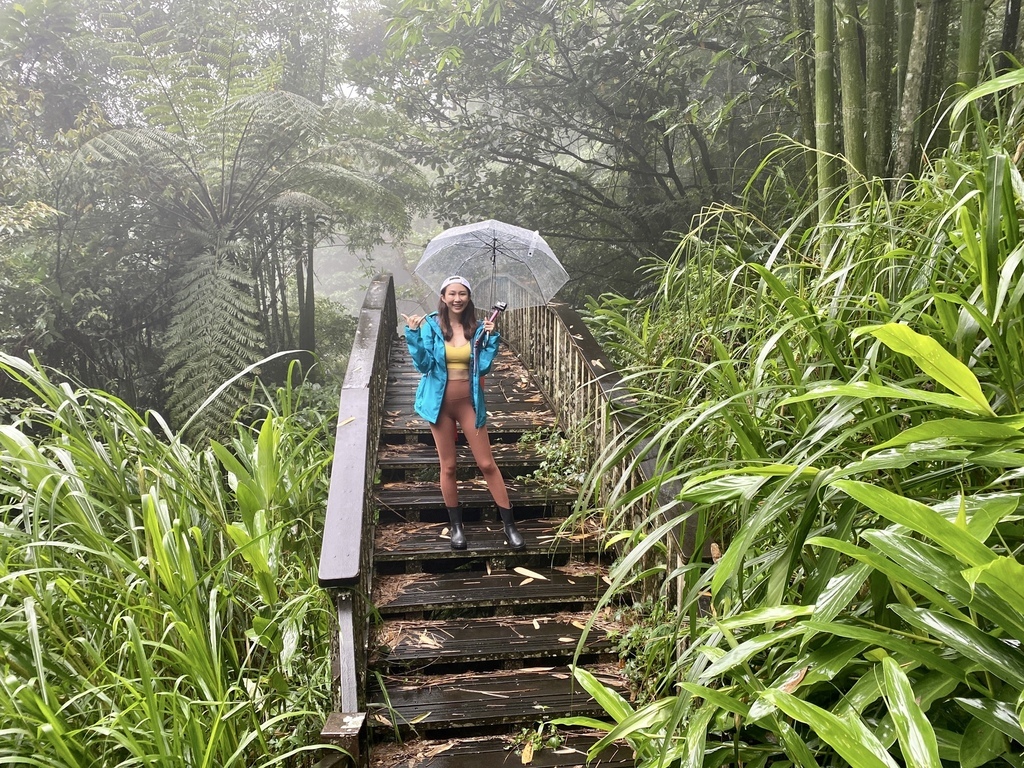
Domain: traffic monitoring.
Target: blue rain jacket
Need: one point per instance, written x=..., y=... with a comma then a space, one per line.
x=426, y=345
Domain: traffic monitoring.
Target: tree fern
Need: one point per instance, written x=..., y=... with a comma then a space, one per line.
x=214, y=334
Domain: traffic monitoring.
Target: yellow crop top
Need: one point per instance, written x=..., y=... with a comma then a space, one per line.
x=457, y=357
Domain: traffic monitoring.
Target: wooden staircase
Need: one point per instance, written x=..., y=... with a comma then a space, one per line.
x=472, y=647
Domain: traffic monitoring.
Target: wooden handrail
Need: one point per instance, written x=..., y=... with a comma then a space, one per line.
x=348, y=526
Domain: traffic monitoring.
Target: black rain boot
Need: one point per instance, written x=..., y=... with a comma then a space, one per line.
x=512, y=534
x=458, y=535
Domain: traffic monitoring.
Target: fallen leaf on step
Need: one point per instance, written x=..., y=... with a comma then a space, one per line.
x=528, y=753
x=536, y=624
x=579, y=625
x=566, y=640
x=524, y=582
x=444, y=531
x=488, y=567
x=527, y=572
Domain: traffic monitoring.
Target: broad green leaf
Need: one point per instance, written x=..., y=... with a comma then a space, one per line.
x=725, y=487
x=1002, y=660
x=696, y=736
x=863, y=390
x=609, y=700
x=981, y=743
x=794, y=745
x=1005, y=576
x=919, y=653
x=822, y=664
x=718, y=697
x=900, y=458
x=931, y=358
x=996, y=714
x=653, y=715
x=983, y=512
x=918, y=517
x=944, y=572
x=897, y=573
x=748, y=649
x=841, y=589
x=849, y=737
x=954, y=432
x=949, y=744
x=917, y=739
x=770, y=615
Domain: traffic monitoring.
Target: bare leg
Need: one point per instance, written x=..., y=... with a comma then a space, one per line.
x=480, y=444
x=443, y=432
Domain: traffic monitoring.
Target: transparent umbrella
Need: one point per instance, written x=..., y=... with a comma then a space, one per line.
x=503, y=263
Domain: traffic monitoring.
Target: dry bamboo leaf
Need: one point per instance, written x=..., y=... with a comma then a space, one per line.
x=567, y=640
x=524, y=582
x=527, y=572
x=488, y=567
x=536, y=624
x=444, y=532
x=528, y=753
x=792, y=685
x=579, y=625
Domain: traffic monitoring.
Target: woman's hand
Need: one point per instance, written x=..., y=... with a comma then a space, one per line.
x=489, y=326
x=413, y=321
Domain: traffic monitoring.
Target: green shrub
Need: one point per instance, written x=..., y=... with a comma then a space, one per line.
x=158, y=603
x=847, y=430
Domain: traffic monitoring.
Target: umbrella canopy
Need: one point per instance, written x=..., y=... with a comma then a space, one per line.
x=501, y=261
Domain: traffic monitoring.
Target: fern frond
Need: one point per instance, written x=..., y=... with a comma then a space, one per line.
x=214, y=334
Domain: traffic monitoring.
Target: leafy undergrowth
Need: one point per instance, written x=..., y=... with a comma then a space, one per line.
x=843, y=417
x=158, y=603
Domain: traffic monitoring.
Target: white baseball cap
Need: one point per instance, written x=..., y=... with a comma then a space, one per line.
x=456, y=279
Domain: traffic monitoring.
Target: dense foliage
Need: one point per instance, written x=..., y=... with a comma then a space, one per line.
x=167, y=173
x=847, y=435
x=159, y=603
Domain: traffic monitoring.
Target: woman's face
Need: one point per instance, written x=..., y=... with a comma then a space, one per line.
x=455, y=297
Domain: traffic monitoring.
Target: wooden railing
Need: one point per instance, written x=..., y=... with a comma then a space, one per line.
x=345, y=567
x=588, y=395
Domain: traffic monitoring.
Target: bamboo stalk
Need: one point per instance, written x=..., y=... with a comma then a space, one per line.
x=851, y=74
x=878, y=97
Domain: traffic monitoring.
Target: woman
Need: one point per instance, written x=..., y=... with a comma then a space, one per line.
x=452, y=350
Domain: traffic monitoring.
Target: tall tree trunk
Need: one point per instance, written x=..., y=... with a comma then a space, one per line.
x=307, y=315
x=905, y=38
x=934, y=130
x=913, y=90
x=1008, y=42
x=851, y=77
x=879, y=99
x=972, y=27
x=825, y=106
x=801, y=22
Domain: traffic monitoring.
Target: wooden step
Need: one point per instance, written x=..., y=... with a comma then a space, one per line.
x=472, y=640
x=431, y=541
x=501, y=752
x=426, y=494
x=578, y=584
x=487, y=699
x=420, y=455
x=524, y=418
